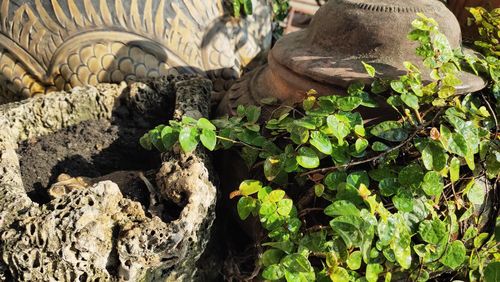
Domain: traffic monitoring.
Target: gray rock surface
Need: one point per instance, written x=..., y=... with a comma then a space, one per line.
x=95, y=234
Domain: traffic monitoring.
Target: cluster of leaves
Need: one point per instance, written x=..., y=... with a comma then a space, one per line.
x=489, y=29
x=245, y=4
x=402, y=199
x=280, y=12
x=280, y=8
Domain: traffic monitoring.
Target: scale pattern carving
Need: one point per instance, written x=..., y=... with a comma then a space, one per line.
x=60, y=44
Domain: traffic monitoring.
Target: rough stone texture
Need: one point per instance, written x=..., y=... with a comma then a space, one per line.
x=43, y=115
x=95, y=234
x=59, y=44
x=185, y=179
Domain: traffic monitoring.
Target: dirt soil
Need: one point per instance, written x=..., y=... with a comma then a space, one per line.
x=91, y=149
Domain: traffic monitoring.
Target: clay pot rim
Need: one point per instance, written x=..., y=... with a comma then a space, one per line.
x=342, y=69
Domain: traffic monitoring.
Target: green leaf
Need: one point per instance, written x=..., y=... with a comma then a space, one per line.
x=348, y=192
x=249, y=155
x=403, y=201
x=458, y=145
x=477, y=193
x=250, y=187
x=467, y=214
x=411, y=176
x=340, y=127
x=285, y=206
x=388, y=186
x=433, y=183
x=276, y=195
x=373, y=270
x=348, y=228
x=339, y=274
x=445, y=136
x=299, y=276
x=355, y=88
x=236, y=8
x=299, y=135
x=296, y=263
x=319, y=190
x=305, y=122
x=493, y=164
x=410, y=100
x=155, y=138
x=252, y=113
x=188, y=139
x=454, y=169
x=248, y=6
x=455, y=255
x=432, y=231
x=204, y=123
x=379, y=86
x=145, y=142
x=272, y=167
x=359, y=130
x=348, y=104
x=321, y=142
x=433, y=156
x=379, y=147
x=370, y=70
x=492, y=272
x=357, y=178
x=390, y=130
x=386, y=230
x=208, y=139
x=479, y=240
x=341, y=207
x=273, y=272
x=272, y=256
x=401, y=246
x=285, y=246
x=245, y=207
x=309, y=103
x=381, y=173
x=398, y=86
x=403, y=254
x=354, y=260
x=307, y=158
x=267, y=209
x=169, y=137
x=361, y=145
x=333, y=179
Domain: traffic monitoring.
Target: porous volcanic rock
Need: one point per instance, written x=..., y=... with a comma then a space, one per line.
x=96, y=234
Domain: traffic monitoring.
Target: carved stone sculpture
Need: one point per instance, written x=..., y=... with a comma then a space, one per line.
x=60, y=44
x=94, y=233
x=328, y=55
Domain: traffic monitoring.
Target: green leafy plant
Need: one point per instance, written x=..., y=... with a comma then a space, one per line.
x=242, y=5
x=280, y=8
x=342, y=200
x=489, y=29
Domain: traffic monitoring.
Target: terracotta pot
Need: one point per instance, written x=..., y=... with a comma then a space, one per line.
x=458, y=7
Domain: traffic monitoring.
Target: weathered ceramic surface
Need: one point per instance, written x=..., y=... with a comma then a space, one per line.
x=61, y=44
x=327, y=56
x=95, y=233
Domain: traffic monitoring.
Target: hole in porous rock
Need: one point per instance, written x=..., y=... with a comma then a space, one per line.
x=83, y=277
x=113, y=259
x=92, y=151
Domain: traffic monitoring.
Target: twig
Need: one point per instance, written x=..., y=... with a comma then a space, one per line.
x=493, y=113
x=333, y=168
x=317, y=228
x=238, y=142
x=374, y=158
x=303, y=212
